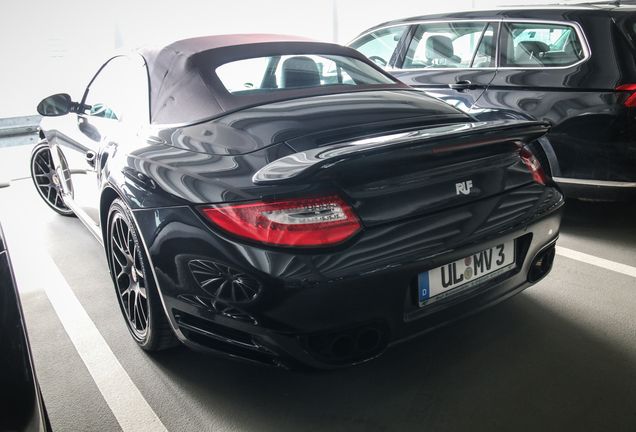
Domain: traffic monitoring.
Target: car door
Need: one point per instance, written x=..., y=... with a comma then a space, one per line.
x=544, y=74
x=112, y=102
x=454, y=60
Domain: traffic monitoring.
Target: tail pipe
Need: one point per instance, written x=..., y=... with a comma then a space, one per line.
x=542, y=264
x=348, y=346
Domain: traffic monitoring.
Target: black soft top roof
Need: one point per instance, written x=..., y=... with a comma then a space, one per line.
x=184, y=87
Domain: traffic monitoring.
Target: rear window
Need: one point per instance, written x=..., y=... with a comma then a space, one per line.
x=279, y=73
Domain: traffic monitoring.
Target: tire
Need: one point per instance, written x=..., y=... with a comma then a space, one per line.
x=134, y=284
x=46, y=180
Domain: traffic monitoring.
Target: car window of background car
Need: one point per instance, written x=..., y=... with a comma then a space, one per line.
x=444, y=45
x=379, y=46
x=120, y=91
x=268, y=74
x=485, y=54
x=540, y=45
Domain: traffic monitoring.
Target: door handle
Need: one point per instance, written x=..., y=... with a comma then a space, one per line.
x=463, y=85
x=90, y=158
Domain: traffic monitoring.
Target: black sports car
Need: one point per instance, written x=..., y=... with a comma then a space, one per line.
x=21, y=404
x=286, y=201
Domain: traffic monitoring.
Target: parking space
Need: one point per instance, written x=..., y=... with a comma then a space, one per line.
x=559, y=356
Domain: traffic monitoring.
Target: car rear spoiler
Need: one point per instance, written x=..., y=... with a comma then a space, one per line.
x=314, y=164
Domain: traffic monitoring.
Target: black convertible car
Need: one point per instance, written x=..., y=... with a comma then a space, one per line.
x=286, y=201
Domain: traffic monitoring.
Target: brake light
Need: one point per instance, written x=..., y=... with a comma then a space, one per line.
x=535, y=166
x=307, y=222
x=626, y=95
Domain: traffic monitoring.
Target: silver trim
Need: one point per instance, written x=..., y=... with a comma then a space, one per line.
x=599, y=183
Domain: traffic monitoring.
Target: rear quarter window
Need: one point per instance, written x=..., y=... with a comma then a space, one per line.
x=537, y=45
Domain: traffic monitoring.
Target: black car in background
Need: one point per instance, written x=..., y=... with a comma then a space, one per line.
x=281, y=200
x=21, y=404
x=574, y=66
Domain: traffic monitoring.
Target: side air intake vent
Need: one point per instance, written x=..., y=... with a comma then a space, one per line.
x=224, y=283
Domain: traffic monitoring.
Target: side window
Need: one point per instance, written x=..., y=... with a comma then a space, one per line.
x=540, y=45
x=120, y=91
x=444, y=45
x=485, y=54
x=379, y=46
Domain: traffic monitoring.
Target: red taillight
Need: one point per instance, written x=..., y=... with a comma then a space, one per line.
x=306, y=222
x=627, y=95
x=535, y=166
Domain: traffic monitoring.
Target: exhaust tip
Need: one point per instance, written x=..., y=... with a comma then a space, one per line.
x=342, y=347
x=368, y=340
x=542, y=264
x=347, y=346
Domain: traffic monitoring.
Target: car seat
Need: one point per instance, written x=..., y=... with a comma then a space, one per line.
x=439, y=52
x=299, y=71
x=528, y=53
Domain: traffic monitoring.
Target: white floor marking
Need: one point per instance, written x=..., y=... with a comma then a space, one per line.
x=122, y=396
x=596, y=261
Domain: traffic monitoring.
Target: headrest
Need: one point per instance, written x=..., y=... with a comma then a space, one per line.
x=439, y=47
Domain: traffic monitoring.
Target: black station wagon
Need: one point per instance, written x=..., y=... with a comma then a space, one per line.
x=574, y=66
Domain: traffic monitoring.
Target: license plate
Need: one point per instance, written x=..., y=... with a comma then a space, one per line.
x=458, y=276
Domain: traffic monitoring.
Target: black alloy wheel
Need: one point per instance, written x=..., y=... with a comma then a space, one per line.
x=136, y=290
x=46, y=180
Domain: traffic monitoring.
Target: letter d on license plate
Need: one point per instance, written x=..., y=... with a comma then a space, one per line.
x=458, y=276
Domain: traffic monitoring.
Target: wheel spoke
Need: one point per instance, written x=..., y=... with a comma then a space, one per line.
x=45, y=169
x=140, y=313
x=120, y=260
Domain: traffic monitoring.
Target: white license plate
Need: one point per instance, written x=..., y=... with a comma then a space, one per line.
x=458, y=276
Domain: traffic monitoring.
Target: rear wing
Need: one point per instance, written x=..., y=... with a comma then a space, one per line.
x=323, y=163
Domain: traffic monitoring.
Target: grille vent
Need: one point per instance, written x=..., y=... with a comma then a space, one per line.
x=225, y=283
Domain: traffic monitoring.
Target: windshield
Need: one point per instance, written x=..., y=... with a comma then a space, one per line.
x=276, y=73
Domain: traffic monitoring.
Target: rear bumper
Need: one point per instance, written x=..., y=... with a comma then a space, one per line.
x=333, y=308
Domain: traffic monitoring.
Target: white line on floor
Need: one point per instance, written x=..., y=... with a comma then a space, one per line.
x=122, y=396
x=596, y=261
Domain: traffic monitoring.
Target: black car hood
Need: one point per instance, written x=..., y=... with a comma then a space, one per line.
x=308, y=122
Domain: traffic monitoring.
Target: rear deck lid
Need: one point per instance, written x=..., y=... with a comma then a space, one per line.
x=413, y=172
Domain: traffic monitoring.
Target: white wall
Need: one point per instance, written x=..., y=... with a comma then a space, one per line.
x=50, y=46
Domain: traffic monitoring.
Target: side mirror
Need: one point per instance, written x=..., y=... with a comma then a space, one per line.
x=57, y=105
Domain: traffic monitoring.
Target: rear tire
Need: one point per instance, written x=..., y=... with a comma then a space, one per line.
x=46, y=180
x=135, y=286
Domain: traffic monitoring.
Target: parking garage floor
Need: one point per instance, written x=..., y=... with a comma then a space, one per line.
x=561, y=356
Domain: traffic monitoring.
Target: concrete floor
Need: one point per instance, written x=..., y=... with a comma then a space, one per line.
x=561, y=356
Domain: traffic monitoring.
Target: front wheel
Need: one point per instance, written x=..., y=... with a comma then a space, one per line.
x=46, y=180
x=136, y=291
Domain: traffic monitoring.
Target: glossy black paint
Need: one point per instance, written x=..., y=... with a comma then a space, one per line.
x=395, y=155
x=592, y=146
x=21, y=404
